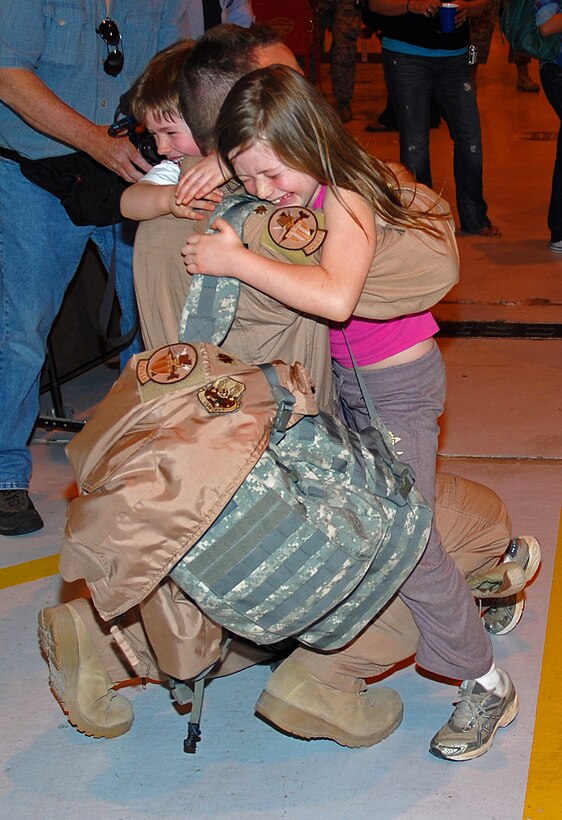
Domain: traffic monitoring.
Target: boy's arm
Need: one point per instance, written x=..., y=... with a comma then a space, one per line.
x=147, y=200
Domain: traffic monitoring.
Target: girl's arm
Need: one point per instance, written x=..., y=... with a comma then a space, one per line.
x=147, y=200
x=201, y=179
x=330, y=289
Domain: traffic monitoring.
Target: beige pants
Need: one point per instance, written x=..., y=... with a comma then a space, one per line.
x=475, y=530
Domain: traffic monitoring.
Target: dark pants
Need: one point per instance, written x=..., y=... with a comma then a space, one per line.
x=412, y=81
x=551, y=81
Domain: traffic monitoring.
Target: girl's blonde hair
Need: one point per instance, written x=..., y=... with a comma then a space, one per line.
x=280, y=106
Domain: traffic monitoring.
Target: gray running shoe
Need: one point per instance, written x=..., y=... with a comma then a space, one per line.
x=505, y=613
x=478, y=714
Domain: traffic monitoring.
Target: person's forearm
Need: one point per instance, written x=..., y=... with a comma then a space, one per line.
x=391, y=8
x=37, y=105
x=145, y=200
x=552, y=26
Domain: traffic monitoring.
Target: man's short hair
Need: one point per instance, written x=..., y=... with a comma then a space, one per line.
x=219, y=58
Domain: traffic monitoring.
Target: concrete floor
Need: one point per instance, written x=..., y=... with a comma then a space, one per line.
x=503, y=426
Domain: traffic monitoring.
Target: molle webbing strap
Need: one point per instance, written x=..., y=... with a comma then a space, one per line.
x=212, y=301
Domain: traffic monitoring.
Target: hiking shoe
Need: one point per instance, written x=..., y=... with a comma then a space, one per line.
x=17, y=513
x=525, y=83
x=478, y=714
x=300, y=704
x=78, y=678
x=501, y=618
x=344, y=112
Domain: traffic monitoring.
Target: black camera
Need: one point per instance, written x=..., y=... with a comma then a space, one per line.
x=143, y=141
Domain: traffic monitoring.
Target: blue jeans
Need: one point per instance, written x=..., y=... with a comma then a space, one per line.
x=412, y=81
x=40, y=249
x=551, y=81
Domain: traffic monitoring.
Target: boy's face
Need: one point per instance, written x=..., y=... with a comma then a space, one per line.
x=173, y=136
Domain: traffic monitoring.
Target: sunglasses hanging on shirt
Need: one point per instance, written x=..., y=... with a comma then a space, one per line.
x=109, y=33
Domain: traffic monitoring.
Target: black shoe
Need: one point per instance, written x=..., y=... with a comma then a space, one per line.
x=17, y=513
x=344, y=112
x=376, y=127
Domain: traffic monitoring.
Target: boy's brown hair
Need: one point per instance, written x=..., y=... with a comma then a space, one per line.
x=155, y=92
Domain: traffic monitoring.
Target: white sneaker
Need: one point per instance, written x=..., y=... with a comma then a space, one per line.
x=556, y=247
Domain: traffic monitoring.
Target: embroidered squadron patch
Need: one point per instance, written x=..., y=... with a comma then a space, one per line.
x=222, y=395
x=296, y=229
x=168, y=365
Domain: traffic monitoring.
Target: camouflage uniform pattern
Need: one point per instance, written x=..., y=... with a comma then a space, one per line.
x=211, y=305
x=319, y=537
x=345, y=21
x=482, y=30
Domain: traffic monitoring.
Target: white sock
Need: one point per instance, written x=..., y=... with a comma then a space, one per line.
x=493, y=680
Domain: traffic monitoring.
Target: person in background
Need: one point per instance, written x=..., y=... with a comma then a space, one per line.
x=549, y=21
x=481, y=32
x=63, y=70
x=420, y=62
x=206, y=14
x=343, y=19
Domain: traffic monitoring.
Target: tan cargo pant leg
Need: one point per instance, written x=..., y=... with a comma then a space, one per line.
x=475, y=529
x=238, y=655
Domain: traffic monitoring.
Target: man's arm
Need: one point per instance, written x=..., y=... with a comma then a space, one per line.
x=38, y=106
x=429, y=8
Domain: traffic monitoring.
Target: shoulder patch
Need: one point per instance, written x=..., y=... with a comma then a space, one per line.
x=296, y=229
x=167, y=365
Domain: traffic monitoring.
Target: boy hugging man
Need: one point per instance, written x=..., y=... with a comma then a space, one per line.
x=153, y=101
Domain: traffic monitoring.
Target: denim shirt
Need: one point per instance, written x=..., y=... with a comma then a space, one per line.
x=57, y=40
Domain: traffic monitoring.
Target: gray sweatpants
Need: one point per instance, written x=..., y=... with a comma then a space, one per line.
x=409, y=398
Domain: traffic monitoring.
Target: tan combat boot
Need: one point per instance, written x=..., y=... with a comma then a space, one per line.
x=300, y=704
x=77, y=675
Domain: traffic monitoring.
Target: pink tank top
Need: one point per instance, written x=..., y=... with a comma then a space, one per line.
x=373, y=341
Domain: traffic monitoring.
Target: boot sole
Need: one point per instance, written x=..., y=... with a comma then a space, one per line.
x=57, y=636
x=302, y=724
x=535, y=557
x=507, y=718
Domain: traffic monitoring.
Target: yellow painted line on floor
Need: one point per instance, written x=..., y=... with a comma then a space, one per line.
x=544, y=785
x=29, y=571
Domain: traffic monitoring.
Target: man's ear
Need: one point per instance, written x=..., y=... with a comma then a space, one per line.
x=276, y=54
